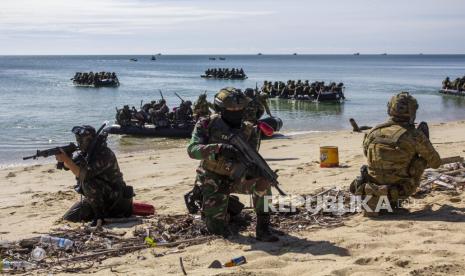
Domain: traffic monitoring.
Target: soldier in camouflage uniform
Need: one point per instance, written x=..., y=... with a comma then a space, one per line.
x=210, y=144
x=397, y=154
x=100, y=180
x=202, y=107
x=124, y=116
x=256, y=107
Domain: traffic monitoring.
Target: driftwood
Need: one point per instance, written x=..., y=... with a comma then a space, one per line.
x=355, y=126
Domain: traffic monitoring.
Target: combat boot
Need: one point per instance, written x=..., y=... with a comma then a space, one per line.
x=263, y=231
x=375, y=191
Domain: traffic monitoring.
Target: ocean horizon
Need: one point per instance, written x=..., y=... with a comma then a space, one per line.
x=41, y=104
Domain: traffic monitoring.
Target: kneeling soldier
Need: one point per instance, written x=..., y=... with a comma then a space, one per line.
x=100, y=180
x=210, y=144
x=397, y=154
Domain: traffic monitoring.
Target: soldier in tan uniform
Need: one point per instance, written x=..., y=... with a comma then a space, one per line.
x=397, y=154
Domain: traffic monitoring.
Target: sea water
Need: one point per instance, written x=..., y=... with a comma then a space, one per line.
x=39, y=104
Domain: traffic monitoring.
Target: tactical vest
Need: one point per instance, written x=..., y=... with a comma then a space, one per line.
x=385, y=154
x=219, y=133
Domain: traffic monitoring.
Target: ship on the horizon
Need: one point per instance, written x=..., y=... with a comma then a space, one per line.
x=356, y=54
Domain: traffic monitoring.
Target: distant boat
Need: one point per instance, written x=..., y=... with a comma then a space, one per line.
x=222, y=58
x=384, y=54
x=212, y=58
x=153, y=58
x=159, y=54
x=259, y=54
x=356, y=54
x=295, y=54
x=133, y=59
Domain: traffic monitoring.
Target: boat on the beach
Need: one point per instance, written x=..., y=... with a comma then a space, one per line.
x=222, y=58
x=181, y=131
x=153, y=58
x=133, y=59
x=452, y=92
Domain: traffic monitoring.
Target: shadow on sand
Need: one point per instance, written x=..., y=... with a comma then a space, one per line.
x=446, y=213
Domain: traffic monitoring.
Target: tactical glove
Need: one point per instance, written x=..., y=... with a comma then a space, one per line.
x=229, y=152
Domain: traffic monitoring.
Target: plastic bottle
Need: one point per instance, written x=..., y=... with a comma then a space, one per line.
x=38, y=254
x=6, y=265
x=56, y=242
x=236, y=261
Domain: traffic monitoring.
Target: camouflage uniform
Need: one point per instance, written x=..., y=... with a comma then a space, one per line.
x=397, y=154
x=202, y=107
x=214, y=171
x=103, y=188
x=256, y=108
x=124, y=116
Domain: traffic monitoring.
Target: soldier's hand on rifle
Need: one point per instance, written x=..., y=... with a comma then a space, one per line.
x=62, y=156
x=68, y=162
x=229, y=151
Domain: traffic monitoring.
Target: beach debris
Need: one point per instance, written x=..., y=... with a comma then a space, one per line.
x=215, y=264
x=78, y=249
x=449, y=177
x=38, y=254
x=236, y=262
x=356, y=128
x=181, y=264
x=7, y=266
x=10, y=175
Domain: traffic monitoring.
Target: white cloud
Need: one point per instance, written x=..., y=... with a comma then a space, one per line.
x=104, y=16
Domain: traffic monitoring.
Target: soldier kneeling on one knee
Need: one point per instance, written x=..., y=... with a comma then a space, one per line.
x=397, y=154
x=100, y=181
x=210, y=144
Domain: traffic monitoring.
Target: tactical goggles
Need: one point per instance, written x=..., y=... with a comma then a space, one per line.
x=81, y=131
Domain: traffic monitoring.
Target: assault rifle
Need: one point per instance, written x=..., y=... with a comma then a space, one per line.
x=161, y=94
x=249, y=157
x=68, y=149
x=177, y=95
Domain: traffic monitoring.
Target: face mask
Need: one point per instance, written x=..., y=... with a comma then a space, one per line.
x=232, y=118
x=83, y=142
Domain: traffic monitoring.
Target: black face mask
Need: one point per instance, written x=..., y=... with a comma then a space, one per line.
x=233, y=118
x=83, y=142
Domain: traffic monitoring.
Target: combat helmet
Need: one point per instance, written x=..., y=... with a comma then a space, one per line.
x=84, y=136
x=230, y=98
x=403, y=107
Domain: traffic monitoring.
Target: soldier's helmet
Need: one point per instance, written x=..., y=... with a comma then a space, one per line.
x=162, y=101
x=403, y=107
x=188, y=103
x=84, y=136
x=231, y=99
x=203, y=96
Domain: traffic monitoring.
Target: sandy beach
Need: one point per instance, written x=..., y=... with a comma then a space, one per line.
x=430, y=240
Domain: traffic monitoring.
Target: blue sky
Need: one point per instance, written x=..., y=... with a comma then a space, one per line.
x=231, y=27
